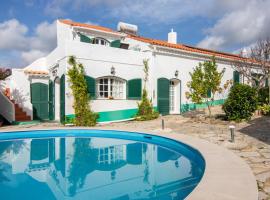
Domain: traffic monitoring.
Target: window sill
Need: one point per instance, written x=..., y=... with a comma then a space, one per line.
x=108, y=99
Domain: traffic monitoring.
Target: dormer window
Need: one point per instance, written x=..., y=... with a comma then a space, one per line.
x=101, y=41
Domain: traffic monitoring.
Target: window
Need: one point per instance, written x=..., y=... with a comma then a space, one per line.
x=236, y=77
x=112, y=154
x=101, y=41
x=110, y=87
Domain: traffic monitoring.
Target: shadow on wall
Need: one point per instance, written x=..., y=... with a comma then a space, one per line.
x=21, y=99
x=259, y=129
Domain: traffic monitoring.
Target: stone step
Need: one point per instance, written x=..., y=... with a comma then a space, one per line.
x=23, y=118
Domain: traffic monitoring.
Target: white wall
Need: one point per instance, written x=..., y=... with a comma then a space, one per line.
x=165, y=66
x=20, y=90
x=97, y=61
x=19, y=84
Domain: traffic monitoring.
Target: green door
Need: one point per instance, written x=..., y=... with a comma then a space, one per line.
x=62, y=99
x=39, y=100
x=163, y=96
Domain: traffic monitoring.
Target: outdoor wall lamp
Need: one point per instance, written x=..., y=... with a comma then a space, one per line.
x=176, y=73
x=112, y=70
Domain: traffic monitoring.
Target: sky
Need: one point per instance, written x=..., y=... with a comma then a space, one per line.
x=28, y=27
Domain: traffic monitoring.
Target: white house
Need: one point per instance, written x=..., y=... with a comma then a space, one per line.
x=113, y=62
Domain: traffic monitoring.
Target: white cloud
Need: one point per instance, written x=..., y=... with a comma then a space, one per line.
x=45, y=37
x=55, y=8
x=15, y=39
x=236, y=22
x=12, y=35
x=241, y=26
x=153, y=12
x=30, y=56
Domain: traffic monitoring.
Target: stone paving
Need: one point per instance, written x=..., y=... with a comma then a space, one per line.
x=252, y=138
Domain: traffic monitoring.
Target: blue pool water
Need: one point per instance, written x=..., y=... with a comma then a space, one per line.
x=96, y=165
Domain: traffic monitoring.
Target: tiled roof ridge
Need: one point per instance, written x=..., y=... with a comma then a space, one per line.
x=160, y=42
x=72, y=23
x=186, y=47
x=36, y=72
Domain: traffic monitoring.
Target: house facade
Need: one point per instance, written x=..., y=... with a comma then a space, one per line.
x=113, y=62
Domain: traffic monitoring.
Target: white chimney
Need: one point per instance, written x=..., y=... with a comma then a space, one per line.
x=172, y=37
x=244, y=52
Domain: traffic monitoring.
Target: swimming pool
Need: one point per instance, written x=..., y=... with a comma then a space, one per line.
x=96, y=165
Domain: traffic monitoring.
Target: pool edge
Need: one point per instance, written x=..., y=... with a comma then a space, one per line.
x=226, y=176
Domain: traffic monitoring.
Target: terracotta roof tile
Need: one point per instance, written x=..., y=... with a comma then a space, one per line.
x=161, y=42
x=71, y=23
x=36, y=72
x=186, y=47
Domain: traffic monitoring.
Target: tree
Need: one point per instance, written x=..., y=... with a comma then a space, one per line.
x=83, y=114
x=145, y=107
x=254, y=64
x=205, y=83
x=4, y=73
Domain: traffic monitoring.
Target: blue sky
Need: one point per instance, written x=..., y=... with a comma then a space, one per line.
x=27, y=28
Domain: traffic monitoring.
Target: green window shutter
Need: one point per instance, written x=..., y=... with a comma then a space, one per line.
x=116, y=43
x=236, y=77
x=134, y=89
x=163, y=97
x=209, y=93
x=84, y=38
x=51, y=100
x=91, y=86
x=39, y=149
x=62, y=99
x=266, y=82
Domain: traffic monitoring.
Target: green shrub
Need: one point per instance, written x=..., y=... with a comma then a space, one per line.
x=241, y=103
x=263, y=96
x=69, y=120
x=265, y=109
x=145, y=109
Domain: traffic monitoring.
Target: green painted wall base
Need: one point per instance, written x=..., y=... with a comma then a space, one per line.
x=193, y=106
x=25, y=122
x=117, y=115
x=121, y=115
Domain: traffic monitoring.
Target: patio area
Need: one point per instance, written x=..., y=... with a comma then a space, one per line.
x=252, y=139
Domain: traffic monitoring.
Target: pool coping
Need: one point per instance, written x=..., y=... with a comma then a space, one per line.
x=226, y=176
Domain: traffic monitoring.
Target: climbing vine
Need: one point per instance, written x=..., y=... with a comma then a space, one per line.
x=83, y=114
x=145, y=107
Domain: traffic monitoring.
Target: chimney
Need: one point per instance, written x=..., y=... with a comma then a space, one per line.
x=172, y=37
x=244, y=52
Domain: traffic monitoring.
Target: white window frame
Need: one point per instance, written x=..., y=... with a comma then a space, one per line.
x=111, y=154
x=99, y=40
x=119, y=85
